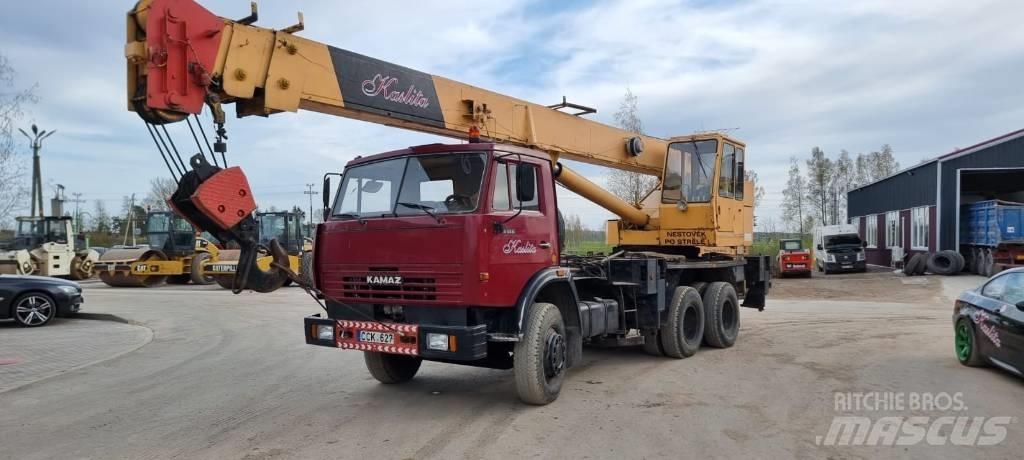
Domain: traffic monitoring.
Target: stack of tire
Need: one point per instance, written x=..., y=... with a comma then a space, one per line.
x=946, y=263
x=981, y=261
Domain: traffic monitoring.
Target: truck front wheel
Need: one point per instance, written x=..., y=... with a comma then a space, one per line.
x=389, y=369
x=539, y=359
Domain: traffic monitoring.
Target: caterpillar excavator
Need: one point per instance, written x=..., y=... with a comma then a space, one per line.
x=173, y=254
x=286, y=228
x=452, y=252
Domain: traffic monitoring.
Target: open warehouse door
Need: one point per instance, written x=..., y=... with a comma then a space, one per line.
x=990, y=216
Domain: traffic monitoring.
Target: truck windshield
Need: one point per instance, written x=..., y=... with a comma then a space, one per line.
x=690, y=169
x=441, y=184
x=842, y=240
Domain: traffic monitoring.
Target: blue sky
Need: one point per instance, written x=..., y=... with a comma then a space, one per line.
x=923, y=76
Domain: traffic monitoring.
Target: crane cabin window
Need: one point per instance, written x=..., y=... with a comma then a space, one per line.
x=727, y=172
x=689, y=169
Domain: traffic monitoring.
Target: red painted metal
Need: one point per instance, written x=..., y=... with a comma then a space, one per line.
x=443, y=261
x=406, y=337
x=183, y=40
x=796, y=262
x=225, y=197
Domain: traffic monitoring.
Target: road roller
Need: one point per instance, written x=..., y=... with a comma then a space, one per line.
x=174, y=254
x=286, y=228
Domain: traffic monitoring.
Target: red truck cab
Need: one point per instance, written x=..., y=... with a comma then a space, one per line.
x=436, y=236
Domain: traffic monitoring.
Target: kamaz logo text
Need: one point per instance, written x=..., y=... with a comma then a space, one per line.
x=383, y=280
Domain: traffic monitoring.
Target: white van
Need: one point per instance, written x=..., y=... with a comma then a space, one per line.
x=838, y=248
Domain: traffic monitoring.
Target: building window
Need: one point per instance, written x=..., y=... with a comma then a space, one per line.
x=919, y=228
x=872, y=230
x=893, y=237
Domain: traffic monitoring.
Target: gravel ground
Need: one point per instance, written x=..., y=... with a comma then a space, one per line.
x=229, y=377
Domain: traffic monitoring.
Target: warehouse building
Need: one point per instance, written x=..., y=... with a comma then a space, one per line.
x=918, y=209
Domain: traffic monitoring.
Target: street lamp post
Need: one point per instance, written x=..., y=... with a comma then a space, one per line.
x=36, y=141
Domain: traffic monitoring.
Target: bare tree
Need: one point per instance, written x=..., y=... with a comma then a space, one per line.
x=751, y=176
x=794, y=201
x=819, y=178
x=12, y=109
x=628, y=185
x=883, y=163
x=160, y=190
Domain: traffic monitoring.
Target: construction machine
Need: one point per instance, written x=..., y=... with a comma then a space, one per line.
x=284, y=227
x=46, y=246
x=452, y=252
x=173, y=254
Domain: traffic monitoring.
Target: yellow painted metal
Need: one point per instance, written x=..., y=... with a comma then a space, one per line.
x=296, y=73
x=587, y=189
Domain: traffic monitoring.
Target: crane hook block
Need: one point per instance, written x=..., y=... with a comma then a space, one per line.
x=225, y=197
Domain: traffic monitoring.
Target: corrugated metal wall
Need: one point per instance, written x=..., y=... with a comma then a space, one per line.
x=908, y=189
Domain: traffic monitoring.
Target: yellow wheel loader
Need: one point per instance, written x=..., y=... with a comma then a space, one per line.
x=286, y=227
x=46, y=246
x=174, y=254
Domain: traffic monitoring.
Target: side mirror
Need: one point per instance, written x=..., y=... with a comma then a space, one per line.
x=1020, y=305
x=526, y=183
x=863, y=244
x=821, y=248
x=326, y=192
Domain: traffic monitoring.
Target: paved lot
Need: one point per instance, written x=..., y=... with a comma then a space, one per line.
x=230, y=377
x=63, y=345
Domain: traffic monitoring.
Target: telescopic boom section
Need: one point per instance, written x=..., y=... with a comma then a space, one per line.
x=182, y=57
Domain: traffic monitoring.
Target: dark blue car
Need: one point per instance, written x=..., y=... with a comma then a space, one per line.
x=33, y=301
x=988, y=323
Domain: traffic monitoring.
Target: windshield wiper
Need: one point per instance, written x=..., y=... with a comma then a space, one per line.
x=357, y=217
x=422, y=207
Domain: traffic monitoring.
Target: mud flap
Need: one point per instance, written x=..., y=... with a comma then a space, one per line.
x=758, y=275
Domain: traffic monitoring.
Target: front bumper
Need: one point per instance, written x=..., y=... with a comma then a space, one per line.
x=857, y=266
x=68, y=303
x=466, y=343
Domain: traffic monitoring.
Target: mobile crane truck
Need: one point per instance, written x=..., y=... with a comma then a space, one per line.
x=451, y=253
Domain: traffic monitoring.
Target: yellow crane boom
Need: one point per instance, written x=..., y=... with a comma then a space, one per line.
x=182, y=57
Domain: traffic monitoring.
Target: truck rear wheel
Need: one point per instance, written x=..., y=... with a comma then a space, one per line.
x=682, y=333
x=390, y=369
x=721, y=315
x=539, y=359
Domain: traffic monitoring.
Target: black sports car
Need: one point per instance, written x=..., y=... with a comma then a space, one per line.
x=34, y=300
x=988, y=323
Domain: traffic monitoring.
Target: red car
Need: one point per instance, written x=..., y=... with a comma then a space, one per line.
x=793, y=259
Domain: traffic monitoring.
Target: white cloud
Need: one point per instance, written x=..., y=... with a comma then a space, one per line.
x=923, y=76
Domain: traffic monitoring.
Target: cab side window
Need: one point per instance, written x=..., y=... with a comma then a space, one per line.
x=504, y=193
x=727, y=169
x=500, y=200
x=738, y=175
x=532, y=205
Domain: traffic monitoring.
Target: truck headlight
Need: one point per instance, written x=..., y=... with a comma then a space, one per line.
x=830, y=258
x=325, y=332
x=437, y=341
x=860, y=256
